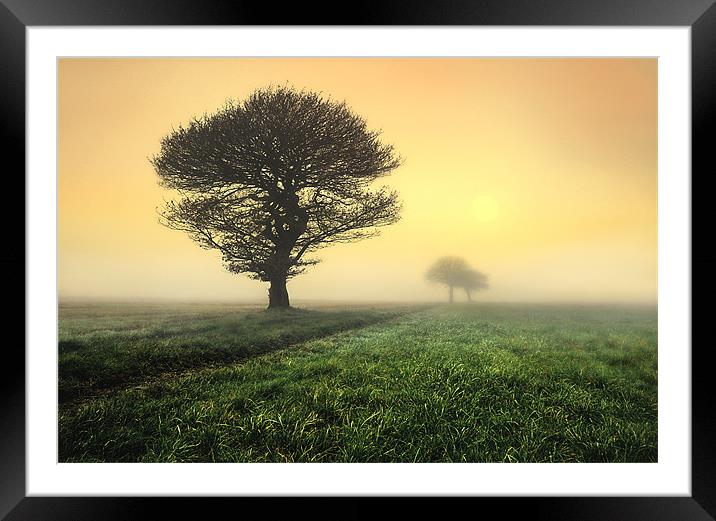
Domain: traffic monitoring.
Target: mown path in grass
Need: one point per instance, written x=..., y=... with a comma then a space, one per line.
x=105, y=346
x=476, y=383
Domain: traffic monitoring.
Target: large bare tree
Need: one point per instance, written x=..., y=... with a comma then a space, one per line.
x=268, y=180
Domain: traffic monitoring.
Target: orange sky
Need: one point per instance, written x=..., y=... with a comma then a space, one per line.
x=541, y=173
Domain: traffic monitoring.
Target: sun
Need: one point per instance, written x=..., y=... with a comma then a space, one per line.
x=485, y=208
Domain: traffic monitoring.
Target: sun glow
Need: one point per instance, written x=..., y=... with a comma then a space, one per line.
x=485, y=209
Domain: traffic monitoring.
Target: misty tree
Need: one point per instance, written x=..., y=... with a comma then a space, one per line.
x=473, y=280
x=455, y=272
x=449, y=271
x=269, y=180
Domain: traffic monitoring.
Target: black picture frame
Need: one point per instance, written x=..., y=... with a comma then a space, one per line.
x=17, y=15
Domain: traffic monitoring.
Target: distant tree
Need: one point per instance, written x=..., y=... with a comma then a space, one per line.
x=275, y=177
x=449, y=271
x=473, y=280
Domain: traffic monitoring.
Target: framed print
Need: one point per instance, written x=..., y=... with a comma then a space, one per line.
x=444, y=251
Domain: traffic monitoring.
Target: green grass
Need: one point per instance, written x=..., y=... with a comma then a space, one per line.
x=109, y=345
x=472, y=383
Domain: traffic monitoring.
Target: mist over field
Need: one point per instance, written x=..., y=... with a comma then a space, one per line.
x=540, y=173
x=357, y=260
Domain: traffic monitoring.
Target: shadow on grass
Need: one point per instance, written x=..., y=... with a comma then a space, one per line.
x=109, y=352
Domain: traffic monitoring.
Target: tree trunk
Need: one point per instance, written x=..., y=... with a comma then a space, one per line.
x=278, y=294
x=451, y=294
x=469, y=297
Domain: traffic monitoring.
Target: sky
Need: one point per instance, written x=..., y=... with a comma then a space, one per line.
x=541, y=173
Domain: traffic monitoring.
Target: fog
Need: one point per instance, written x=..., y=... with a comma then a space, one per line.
x=540, y=173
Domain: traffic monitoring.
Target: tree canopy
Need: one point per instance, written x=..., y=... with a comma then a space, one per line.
x=275, y=177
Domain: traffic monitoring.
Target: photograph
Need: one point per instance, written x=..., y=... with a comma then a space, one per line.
x=357, y=259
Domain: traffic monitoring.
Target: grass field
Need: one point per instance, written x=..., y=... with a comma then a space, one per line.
x=108, y=345
x=473, y=383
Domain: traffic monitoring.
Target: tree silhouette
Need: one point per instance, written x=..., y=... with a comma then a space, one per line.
x=473, y=280
x=455, y=272
x=449, y=271
x=273, y=178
